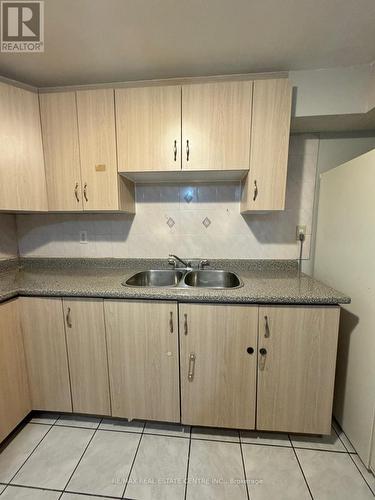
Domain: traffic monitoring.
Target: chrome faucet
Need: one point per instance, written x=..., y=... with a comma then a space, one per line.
x=185, y=264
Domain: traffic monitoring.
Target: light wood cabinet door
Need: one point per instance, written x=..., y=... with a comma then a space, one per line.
x=143, y=359
x=46, y=356
x=216, y=120
x=218, y=364
x=61, y=150
x=296, y=374
x=148, y=124
x=22, y=177
x=14, y=389
x=264, y=187
x=87, y=353
x=97, y=138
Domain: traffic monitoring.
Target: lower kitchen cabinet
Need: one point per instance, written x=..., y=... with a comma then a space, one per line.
x=14, y=390
x=218, y=364
x=296, y=368
x=87, y=354
x=46, y=357
x=142, y=341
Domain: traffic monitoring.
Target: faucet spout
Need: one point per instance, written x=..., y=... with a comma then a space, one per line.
x=186, y=264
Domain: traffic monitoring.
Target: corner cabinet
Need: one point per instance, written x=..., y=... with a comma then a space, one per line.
x=14, y=389
x=80, y=152
x=263, y=189
x=22, y=177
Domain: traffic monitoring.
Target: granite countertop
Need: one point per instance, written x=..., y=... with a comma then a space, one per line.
x=264, y=281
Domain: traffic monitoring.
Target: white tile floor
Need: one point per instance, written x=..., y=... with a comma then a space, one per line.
x=81, y=458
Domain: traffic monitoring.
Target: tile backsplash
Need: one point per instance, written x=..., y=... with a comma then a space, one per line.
x=8, y=237
x=191, y=220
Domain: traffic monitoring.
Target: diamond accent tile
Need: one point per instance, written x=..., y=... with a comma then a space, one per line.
x=206, y=222
x=188, y=197
x=170, y=222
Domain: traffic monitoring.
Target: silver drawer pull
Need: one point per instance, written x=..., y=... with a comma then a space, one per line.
x=68, y=319
x=185, y=325
x=85, y=192
x=267, y=327
x=171, y=322
x=187, y=150
x=255, y=191
x=76, y=192
x=175, y=150
x=191, y=367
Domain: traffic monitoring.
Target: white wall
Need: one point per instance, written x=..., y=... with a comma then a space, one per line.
x=147, y=234
x=8, y=237
x=335, y=149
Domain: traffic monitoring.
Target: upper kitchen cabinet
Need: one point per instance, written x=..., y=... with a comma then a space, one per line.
x=22, y=178
x=263, y=189
x=58, y=113
x=80, y=152
x=102, y=188
x=148, y=121
x=216, y=122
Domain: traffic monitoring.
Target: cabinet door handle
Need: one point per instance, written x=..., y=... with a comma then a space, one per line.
x=171, y=322
x=175, y=151
x=262, y=360
x=187, y=150
x=85, y=192
x=266, y=327
x=185, y=325
x=255, y=191
x=68, y=319
x=76, y=192
x=191, y=367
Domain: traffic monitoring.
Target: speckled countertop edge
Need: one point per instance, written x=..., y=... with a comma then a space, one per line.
x=265, y=282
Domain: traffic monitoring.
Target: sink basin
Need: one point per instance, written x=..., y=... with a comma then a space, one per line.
x=156, y=277
x=212, y=279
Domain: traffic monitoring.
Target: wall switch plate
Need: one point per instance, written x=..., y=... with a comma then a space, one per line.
x=300, y=230
x=83, y=237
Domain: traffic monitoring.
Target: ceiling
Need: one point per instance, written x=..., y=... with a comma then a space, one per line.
x=95, y=41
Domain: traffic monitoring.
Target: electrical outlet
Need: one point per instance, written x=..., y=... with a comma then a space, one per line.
x=83, y=237
x=300, y=230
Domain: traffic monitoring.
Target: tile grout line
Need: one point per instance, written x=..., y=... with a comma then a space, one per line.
x=359, y=470
x=32, y=452
x=15, y=485
x=244, y=468
x=79, y=461
x=132, y=465
x=338, y=435
x=188, y=463
x=300, y=466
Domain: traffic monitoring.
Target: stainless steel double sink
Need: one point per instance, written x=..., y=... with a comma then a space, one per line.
x=184, y=279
